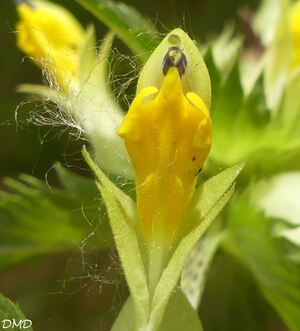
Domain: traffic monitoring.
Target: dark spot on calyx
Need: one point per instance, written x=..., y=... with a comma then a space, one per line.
x=194, y=158
x=174, y=58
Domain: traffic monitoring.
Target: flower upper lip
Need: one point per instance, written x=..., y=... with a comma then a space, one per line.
x=174, y=57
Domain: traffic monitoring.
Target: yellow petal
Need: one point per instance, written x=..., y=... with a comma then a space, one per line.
x=51, y=35
x=168, y=139
x=295, y=32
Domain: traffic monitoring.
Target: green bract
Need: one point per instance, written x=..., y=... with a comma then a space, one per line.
x=209, y=199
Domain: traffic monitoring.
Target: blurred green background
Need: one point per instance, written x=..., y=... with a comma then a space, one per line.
x=62, y=292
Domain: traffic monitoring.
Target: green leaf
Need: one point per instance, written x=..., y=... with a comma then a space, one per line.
x=36, y=215
x=79, y=186
x=208, y=194
x=91, y=63
x=126, y=202
x=124, y=320
x=36, y=220
x=251, y=69
x=10, y=311
x=278, y=60
x=290, y=110
x=293, y=236
x=214, y=73
x=187, y=319
x=138, y=33
x=224, y=112
x=209, y=199
x=245, y=117
x=130, y=256
x=232, y=294
x=278, y=196
x=193, y=277
x=122, y=214
x=179, y=315
x=254, y=136
x=86, y=194
x=225, y=49
x=251, y=239
x=88, y=57
x=266, y=20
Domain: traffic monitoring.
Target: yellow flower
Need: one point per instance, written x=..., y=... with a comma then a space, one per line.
x=168, y=136
x=51, y=35
x=295, y=32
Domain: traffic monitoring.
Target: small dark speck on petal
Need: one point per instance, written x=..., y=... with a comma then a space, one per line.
x=73, y=47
